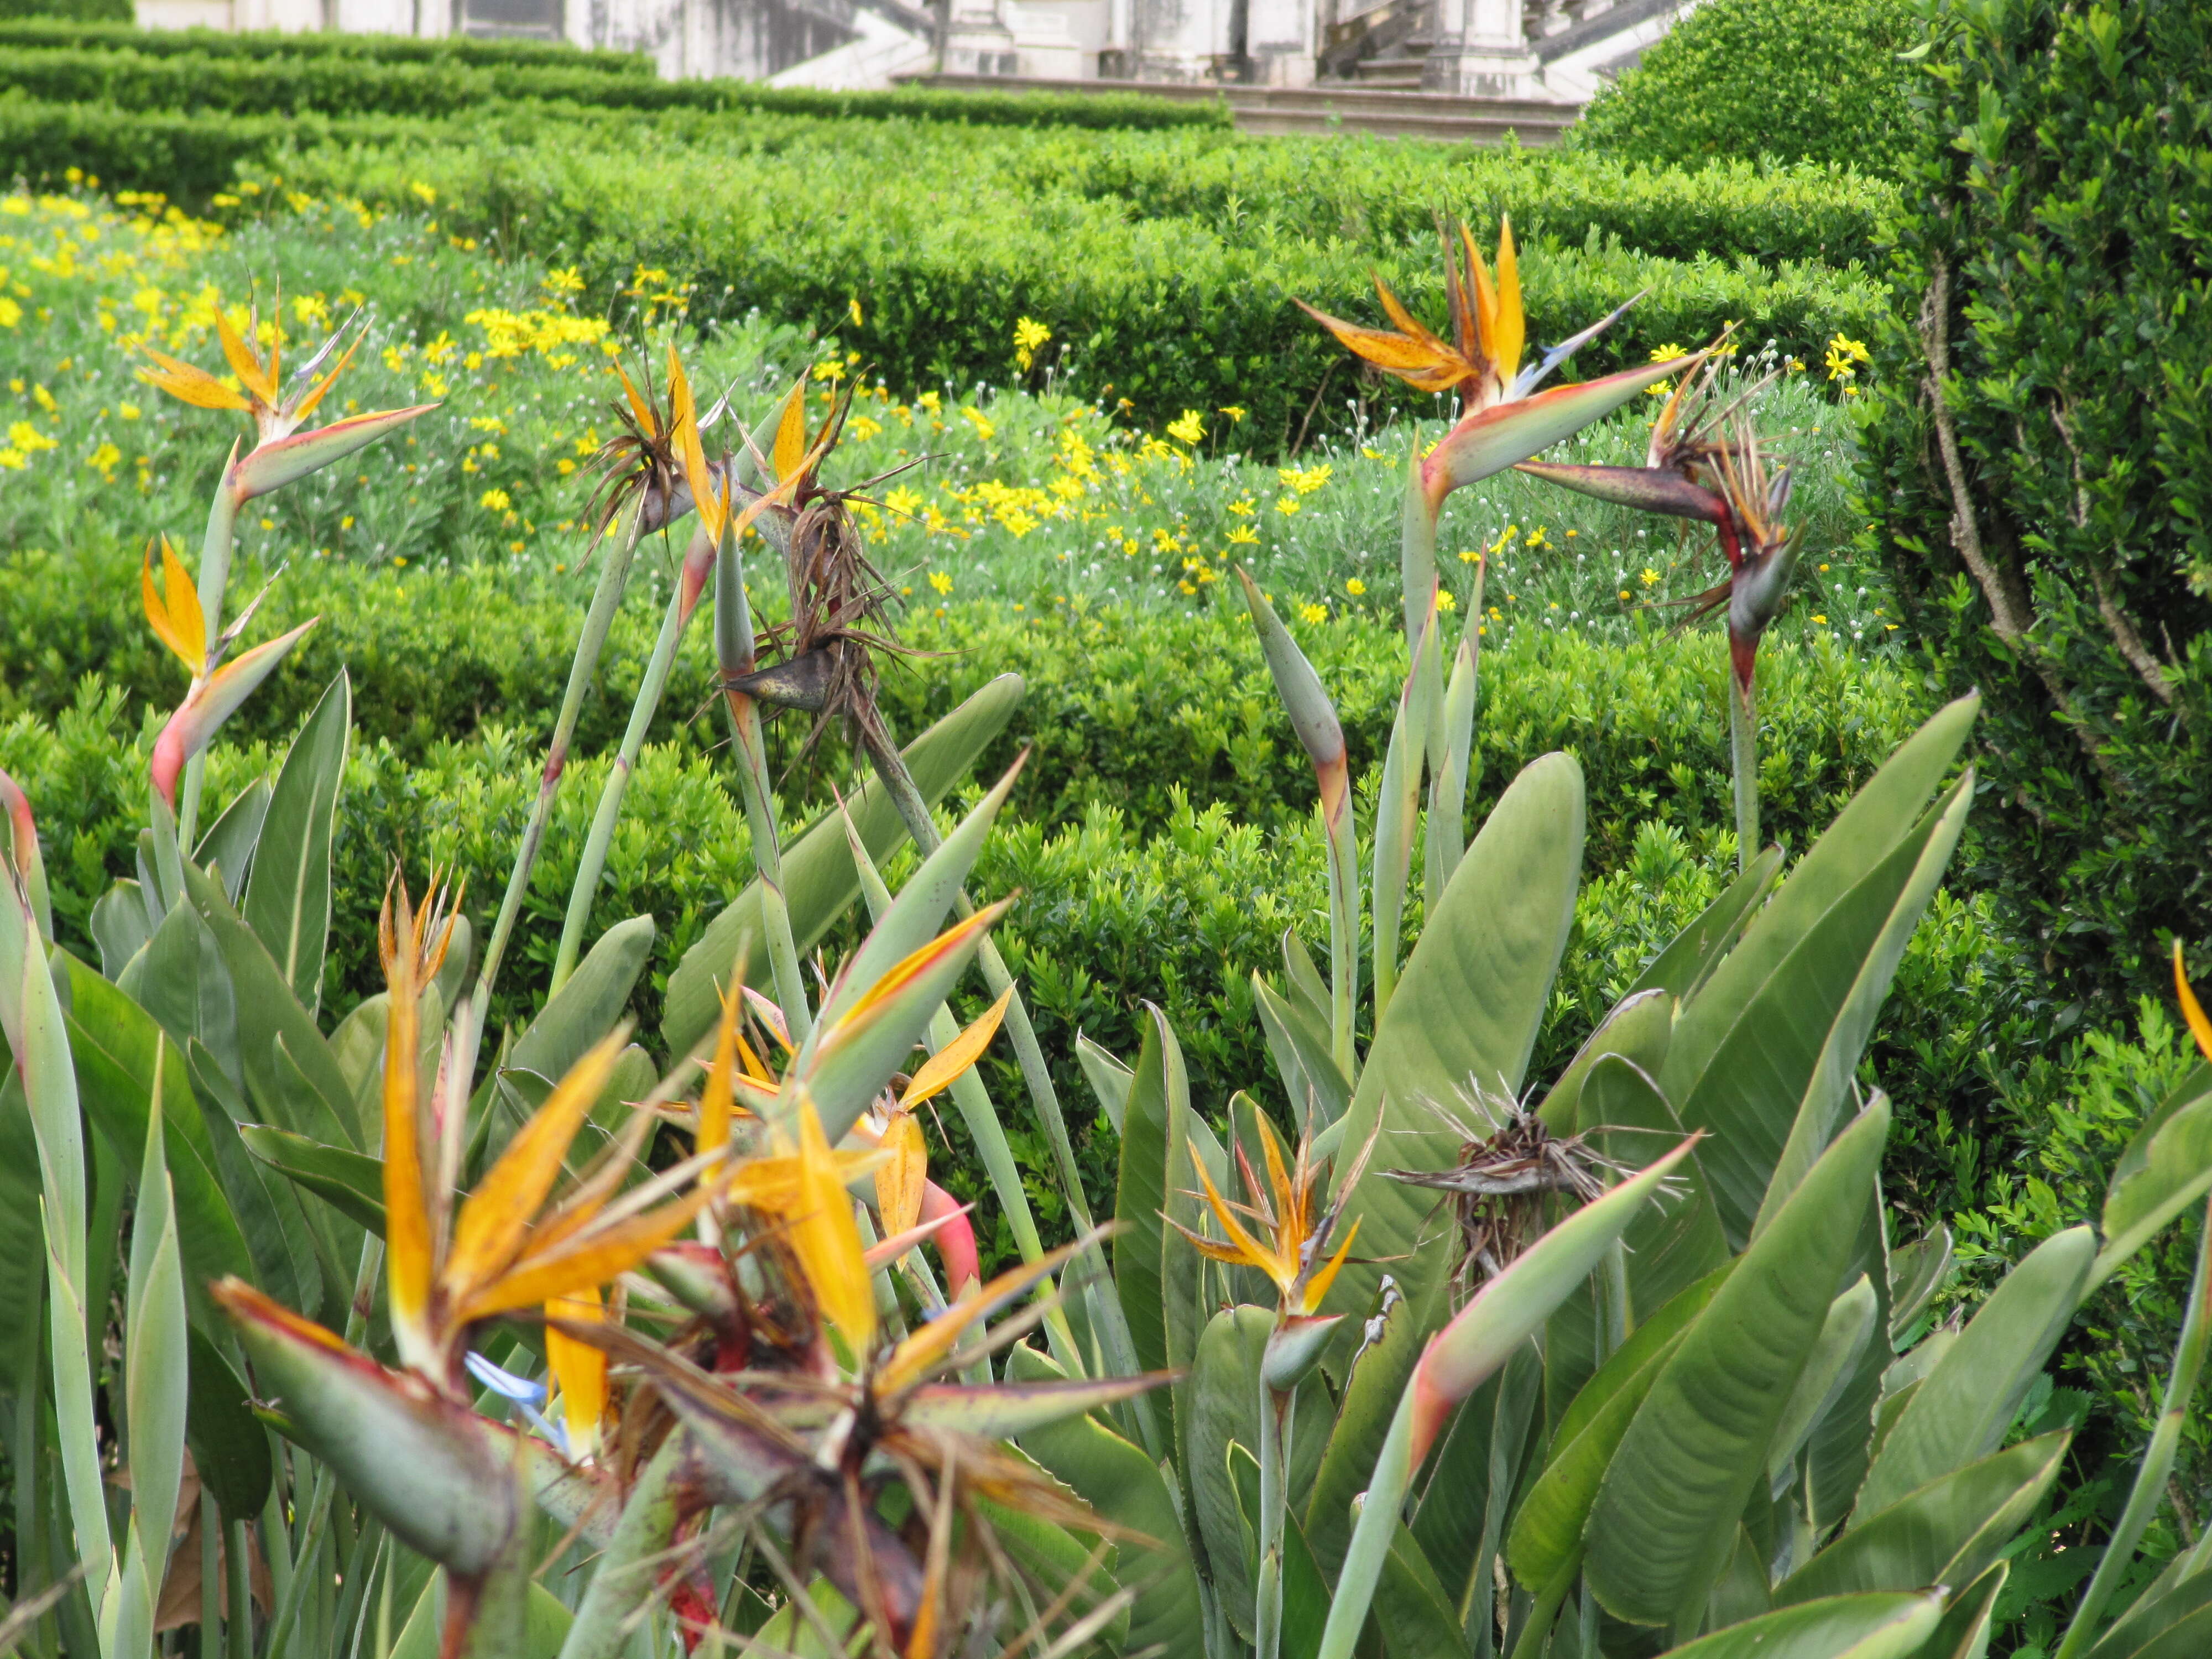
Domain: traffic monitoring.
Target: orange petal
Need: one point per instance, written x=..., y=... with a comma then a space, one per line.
x=598, y=1257
x=2191, y=1010
x=494, y=1221
x=244, y=362
x=192, y=385
x=827, y=1241
x=647, y=423
x=579, y=1368
x=1486, y=297
x=903, y=973
x=407, y=1233
x=307, y=404
x=944, y=1067
x=715, y=1099
x=899, y=1182
x=1250, y=1252
x=1510, y=329
x=922, y=1352
x=1317, y=1286
x=175, y=611
x=791, y=433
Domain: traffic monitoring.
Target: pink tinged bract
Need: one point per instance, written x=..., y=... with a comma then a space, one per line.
x=274, y=464
x=212, y=702
x=1493, y=439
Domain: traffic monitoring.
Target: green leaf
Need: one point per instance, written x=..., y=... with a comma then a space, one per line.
x=546, y=1628
x=318, y=1104
x=120, y=927
x=1475, y=1478
x=1299, y=1047
x=351, y=1183
x=1224, y=1407
x=1949, y=1532
x=288, y=901
x=589, y=1006
x=1830, y=1081
x=1464, y=1017
x=2166, y=1166
x=1415, y=1615
x=2190, y=1638
x=1965, y=1632
x=23, y=1240
x=819, y=879
x=1682, y=968
x=1746, y=1046
x=1378, y=1379
x=1672, y=1244
x=1846, y=1627
x=1053, y=1559
x=1843, y=1342
x=1148, y=1126
x=1917, y=1271
x=181, y=980
x=1970, y=1398
x=278, y=1234
x=1637, y=1030
x=1305, y=1595
x=228, y=845
x=156, y=1360
x=1548, y=1529
x=119, y=1052
x=1108, y=1077
x=230, y=1448
x=1665, y=1518
x=1126, y=1488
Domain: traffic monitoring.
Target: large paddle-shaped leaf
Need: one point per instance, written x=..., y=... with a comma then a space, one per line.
x=287, y=900
x=1463, y=1020
x=1946, y=1533
x=819, y=878
x=1746, y=1047
x=2166, y=1167
x=1963, y=1409
x=1668, y=1513
x=1845, y=1627
x=1125, y=1488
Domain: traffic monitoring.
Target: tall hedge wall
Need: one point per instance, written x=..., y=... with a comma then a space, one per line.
x=2038, y=457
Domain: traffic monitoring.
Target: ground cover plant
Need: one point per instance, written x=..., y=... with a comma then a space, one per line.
x=691, y=1392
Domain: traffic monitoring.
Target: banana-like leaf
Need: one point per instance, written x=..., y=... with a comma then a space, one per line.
x=156, y=1387
x=1504, y=1314
x=1307, y=990
x=1055, y=1560
x=545, y=1627
x=229, y=1447
x=119, y=1054
x=273, y=465
x=2166, y=1166
x=120, y=927
x=1305, y=1595
x=1317, y=1091
x=1452, y=745
x=22, y=1239
x=1398, y=803
x=2186, y=1639
x=1473, y=1479
x=1108, y=1077
x=1126, y=1488
x=1875, y=1626
x=1917, y=1271
x=213, y=701
x=2182, y=1592
x=1415, y=1615
x=1677, y=1241
x=819, y=879
x=1949, y=1532
x=288, y=901
x=277, y=1232
x=1464, y=1017
x=1745, y=1050
x=919, y=911
x=578, y=1016
x=181, y=979
x=1636, y=1029
x=351, y=1183
x=440, y=1476
x=1970, y=1398
x=1394, y=1334
x=1685, y=964
x=1547, y=1529
x=1832, y=1076
x=1006, y=1411
x=229, y=843
x=312, y=1098
x=1225, y=1393
x=1844, y=1338
x=1666, y=1519
x=1151, y=1124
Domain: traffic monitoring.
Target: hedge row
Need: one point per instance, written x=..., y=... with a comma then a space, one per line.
x=1168, y=314
x=1364, y=191
x=58, y=34
x=435, y=86
x=1175, y=898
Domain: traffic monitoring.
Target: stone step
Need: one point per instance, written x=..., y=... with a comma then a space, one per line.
x=1401, y=72
x=1388, y=112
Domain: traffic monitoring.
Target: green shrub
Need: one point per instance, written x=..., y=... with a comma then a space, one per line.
x=53, y=32
x=73, y=11
x=1802, y=80
x=2038, y=462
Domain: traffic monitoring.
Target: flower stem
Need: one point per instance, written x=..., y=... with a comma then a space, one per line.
x=1274, y=1505
x=1743, y=755
x=650, y=691
x=614, y=574
x=215, y=577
